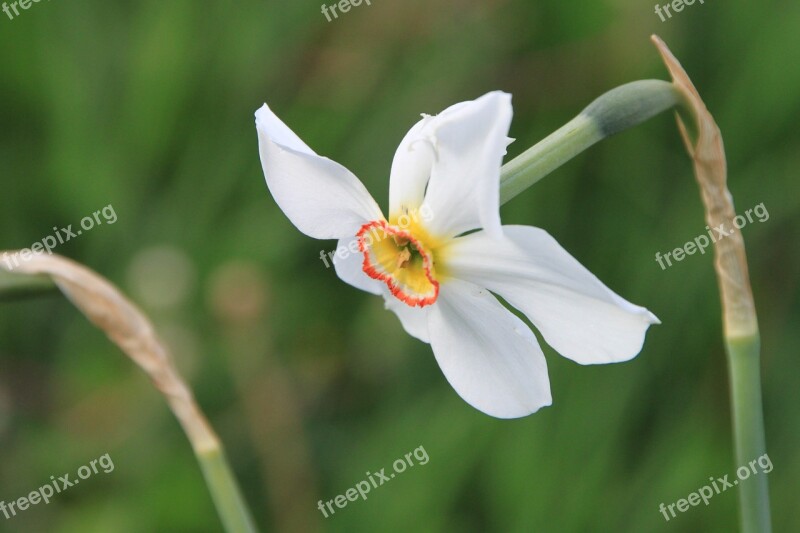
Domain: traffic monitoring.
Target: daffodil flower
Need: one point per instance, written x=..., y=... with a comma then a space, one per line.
x=439, y=274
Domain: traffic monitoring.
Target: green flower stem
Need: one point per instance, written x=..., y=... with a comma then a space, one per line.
x=748, y=429
x=547, y=155
x=628, y=106
x=225, y=491
x=615, y=111
x=703, y=141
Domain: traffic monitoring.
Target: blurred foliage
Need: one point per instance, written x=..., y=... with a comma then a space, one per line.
x=148, y=106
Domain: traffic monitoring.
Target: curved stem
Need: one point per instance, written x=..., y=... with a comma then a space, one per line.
x=127, y=327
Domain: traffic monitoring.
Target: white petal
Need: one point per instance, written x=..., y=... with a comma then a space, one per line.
x=349, y=267
x=413, y=319
x=470, y=141
x=411, y=168
x=577, y=315
x=489, y=356
x=321, y=197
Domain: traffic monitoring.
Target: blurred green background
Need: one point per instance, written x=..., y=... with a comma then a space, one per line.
x=148, y=106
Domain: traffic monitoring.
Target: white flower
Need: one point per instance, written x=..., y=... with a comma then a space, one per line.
x=437, y=277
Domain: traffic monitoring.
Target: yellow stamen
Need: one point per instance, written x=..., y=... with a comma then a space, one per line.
x=403, y=258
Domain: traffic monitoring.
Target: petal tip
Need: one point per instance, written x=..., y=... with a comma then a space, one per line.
x=521, y=413
x=261, y=114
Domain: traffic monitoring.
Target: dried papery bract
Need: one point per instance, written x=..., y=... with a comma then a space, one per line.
x=109, y=310
x=704, y=143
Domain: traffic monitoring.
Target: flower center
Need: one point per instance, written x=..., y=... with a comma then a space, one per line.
x=400, y=260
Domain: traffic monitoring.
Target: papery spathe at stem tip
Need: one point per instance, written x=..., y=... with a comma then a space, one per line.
x=703, y=141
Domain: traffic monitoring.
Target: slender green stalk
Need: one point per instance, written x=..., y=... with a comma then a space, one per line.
x=748, y=429
x=615, y=111
x=547, y=155
x=628, y=106
x=703, y=141
x=225, y=491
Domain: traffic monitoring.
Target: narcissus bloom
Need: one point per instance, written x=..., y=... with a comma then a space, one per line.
x=439, y=273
